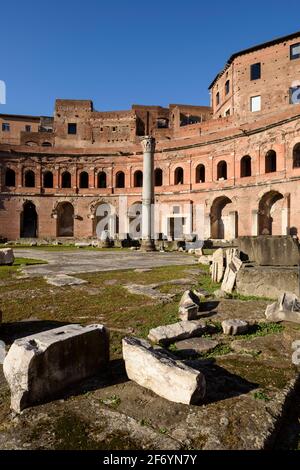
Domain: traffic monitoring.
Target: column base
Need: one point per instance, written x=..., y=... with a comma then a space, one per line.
x=148, y=245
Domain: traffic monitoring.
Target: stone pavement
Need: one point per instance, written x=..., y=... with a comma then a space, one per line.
x=85, y=261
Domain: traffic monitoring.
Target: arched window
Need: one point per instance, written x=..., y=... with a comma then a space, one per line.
x=296, y=156
x=48, y=179
x=101, y=179
x=158, y=177
x=29, y=179
x=246, y=166
x=200, y=174
x=120, y=179
x=222, y=170
x=270, y=161
x=178, y=176
x=83, y=180
x=10, y=178
x=138, y=179
x=66, y=180
x=46, y=144
x=217, y=98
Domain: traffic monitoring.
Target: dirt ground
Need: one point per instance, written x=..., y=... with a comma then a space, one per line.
x=250, y=378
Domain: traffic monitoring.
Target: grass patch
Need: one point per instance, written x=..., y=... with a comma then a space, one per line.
x=220, y=350
x=114, y=401
x=246, y=298
x=262, y=329
x=7, y=272
x=259, y=395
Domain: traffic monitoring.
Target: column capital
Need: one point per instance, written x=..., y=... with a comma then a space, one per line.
x=148, y=143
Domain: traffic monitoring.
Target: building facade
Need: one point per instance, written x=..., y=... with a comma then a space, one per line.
x=238, y=159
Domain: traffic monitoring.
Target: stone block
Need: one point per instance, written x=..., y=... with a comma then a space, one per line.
x=194, y=346
x=188, y=306
x=159, y=371
x=267, y=250
x=39, y=367
x=168, y=334
x=234, y=327
x=217, y=267
x=230, y=275
x=7, y=256
x=287, y=308
x=206, y=260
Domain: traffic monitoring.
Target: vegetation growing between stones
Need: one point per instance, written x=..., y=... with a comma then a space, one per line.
x=262, y=329
x=10, y=271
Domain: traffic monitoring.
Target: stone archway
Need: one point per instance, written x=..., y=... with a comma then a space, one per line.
x=270, y=214
x=29, y=220
x=65, y=219
x=223, y=221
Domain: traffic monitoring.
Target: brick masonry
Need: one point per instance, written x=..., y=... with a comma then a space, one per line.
x=235, y=202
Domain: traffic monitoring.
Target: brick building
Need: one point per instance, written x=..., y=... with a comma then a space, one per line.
x=238, y=159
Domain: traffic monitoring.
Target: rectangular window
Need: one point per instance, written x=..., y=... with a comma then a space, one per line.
x=227, y=87
x=5, y=127
x=295, y=95
x=27, y=128
x=255, y=71
x=72, y=128
x=255, y=103
x=295, y=51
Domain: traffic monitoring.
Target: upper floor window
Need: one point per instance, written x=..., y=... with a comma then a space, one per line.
x=120, y=179
x=162, y=123
x=227, y=87
x=255, y=103
x=255, y=71
x=5, y=127
x=138, y=179
x=72, y=128
x=200, y=174
x=295, y=95
x=218, y=98
x=10, y=178
x=27, y=128
x=295, y=51
x=29, y=179
x=179, y=176
x=222, y=170
x=246, y=166
x=158, y=177
x=270, y=161
x=296, y=156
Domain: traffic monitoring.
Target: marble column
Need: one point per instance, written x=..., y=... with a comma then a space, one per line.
x=148, y=144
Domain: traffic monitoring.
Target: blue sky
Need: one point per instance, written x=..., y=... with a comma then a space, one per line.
x=123, y=52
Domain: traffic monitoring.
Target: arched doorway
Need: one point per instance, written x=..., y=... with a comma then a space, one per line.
x=222, y=219
x=270, y=214
x=65, y=220
x=29, y=221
